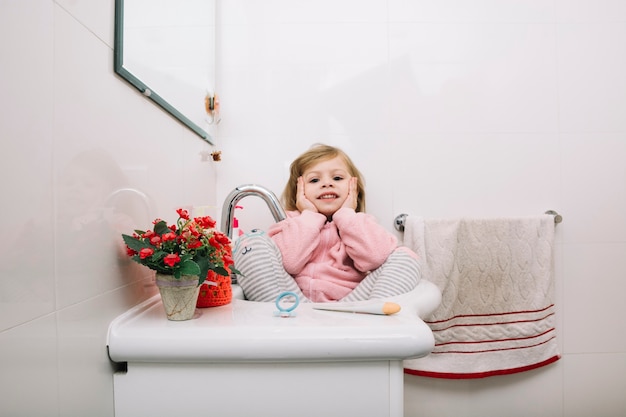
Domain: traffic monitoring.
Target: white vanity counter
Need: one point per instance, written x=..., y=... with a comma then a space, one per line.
x=243, y=360
x=246, y=331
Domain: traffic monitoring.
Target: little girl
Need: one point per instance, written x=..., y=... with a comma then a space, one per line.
x=327, y=249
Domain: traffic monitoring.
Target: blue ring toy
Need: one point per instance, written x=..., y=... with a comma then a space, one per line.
x=287, y=310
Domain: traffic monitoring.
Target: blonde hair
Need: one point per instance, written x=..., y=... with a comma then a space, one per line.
x=318, y=153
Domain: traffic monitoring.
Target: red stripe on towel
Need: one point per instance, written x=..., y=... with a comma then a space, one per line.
x=449, y=375
x=474, y=342
x=490, y=350
x=508, y=313
x=492, y=324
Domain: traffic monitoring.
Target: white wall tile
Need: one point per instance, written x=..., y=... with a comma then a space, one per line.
x=590, y=10
x=29, y=369
x=458, y=77
x=96, y=16
x=440, y=175
x=592, y=61
x=474, y=11
x=594, y=286
x=85, y=381
x=535, y=393
x=298, y=79
x=26, y=88
x=280, y=11
x=594, y=385
x=594, y=195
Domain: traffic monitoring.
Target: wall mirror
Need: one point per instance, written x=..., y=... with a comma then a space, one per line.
x=166, y=50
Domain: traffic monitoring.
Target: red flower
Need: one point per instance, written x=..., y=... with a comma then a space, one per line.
x=194, y=230
x=155, y=240
x=213, y=241
x=171, y=259
x=222, y=238
x=206, y=222
x=184, y=214
x=194, y=244
x=146, y=253
x=168, y=236
x=130, y=252
x=184, y=235
x=228, y=260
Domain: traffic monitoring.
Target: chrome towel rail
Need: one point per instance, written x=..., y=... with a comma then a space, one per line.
x=557, y=217
x=400, y=219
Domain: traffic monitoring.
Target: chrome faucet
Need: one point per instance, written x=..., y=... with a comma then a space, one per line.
x=228, y=209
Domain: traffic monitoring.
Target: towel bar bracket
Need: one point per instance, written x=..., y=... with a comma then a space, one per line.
x=398, y=223
x=557, y=217
x=400, y=220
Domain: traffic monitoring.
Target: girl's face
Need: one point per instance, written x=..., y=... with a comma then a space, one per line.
x=326, y=185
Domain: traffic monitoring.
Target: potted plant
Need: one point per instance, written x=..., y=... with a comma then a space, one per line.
x=183, y=255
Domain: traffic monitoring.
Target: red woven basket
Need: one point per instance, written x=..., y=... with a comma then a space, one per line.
x=215, y=295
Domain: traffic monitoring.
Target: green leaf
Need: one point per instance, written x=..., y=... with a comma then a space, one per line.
x=189, y=267
x=221, y=271
x=161, y=228
x=203, y=265
x=134, y=243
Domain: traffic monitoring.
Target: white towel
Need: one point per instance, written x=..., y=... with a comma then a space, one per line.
x=497, y=282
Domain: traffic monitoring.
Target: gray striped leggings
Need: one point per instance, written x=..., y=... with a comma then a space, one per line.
x=263, y=276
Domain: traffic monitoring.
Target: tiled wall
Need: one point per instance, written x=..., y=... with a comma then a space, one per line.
x=449, y=108
x=72, y=134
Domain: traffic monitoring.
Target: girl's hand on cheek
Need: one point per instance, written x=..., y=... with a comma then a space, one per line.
x=303, y=203
x=352, y=198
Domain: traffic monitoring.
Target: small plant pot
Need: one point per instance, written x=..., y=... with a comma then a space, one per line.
x=179, y=296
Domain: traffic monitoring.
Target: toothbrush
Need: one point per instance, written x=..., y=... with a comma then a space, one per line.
x=378, y=307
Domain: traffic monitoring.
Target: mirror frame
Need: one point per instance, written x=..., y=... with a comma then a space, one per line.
x=118, y=66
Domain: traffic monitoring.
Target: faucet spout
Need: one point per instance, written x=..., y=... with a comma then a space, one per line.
x=228, y=209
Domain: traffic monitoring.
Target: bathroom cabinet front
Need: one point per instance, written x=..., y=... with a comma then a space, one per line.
x=328, y=389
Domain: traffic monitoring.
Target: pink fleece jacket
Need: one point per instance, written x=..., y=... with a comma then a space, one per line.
x=328, y=259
